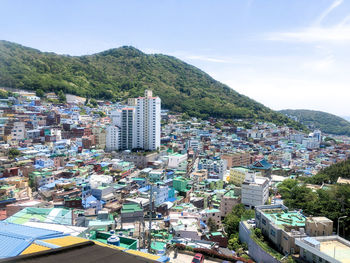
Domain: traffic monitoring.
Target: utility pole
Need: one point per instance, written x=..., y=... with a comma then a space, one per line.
x=150, y=218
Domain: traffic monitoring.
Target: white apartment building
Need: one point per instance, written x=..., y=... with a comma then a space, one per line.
x=139, y=123
x=147, y=124
x=176, y=159
x=113, y=138
x=255, y=190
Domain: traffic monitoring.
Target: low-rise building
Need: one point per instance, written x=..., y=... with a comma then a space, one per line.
x=319, y=226
x=214, y=214
x=281, y=226
x=332, y=249
x=228, y=201
x=131, y=213
x=255, y=190
x=176, y=159
x=238, y=175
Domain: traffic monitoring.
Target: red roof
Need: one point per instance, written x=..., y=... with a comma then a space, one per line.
x=3, y=214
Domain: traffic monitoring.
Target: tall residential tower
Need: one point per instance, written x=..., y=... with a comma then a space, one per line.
x=139, y=124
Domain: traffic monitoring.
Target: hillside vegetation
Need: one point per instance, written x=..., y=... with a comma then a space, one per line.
x=331, y=173
x=324, y=121
x=126, y=72
x=331, y=202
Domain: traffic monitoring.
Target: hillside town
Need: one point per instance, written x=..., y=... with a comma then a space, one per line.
x=159, y=184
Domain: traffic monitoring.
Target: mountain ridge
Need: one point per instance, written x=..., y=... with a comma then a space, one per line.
x=123, y=72
x=326, y=122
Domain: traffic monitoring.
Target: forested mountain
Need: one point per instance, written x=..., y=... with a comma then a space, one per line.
x=324, y=121
x=126, y=72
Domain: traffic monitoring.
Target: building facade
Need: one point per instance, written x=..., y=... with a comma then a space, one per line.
x=255, y=191
x=139, y=124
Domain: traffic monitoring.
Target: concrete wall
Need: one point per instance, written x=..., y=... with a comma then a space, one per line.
x=255, y=251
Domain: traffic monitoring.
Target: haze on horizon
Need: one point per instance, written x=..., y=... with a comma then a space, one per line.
x=286, y=55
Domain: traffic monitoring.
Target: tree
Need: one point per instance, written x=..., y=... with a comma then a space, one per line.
x=13, y=153
x=3, y=94
x=212, y=225
x=232, y=220
x=93, y=102
x=102, y=114
x=61, y=96
x=40, y=93
x=233, y=242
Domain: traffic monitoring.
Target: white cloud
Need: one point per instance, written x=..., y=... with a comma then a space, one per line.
x=335, y=34
x=339, y=33
x=325, y=13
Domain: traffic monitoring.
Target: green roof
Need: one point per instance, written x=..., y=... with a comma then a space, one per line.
x=231, y=194
x=212, y=211
x=130, y=208
x=216, y=234
x=286, y=218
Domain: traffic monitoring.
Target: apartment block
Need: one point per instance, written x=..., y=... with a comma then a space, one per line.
x=255, y=191
x=237, y=159
x=281, y=226
x=139, y=124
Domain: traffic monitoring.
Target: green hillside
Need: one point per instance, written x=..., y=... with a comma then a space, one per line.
x=127, y=72
x=326, y=122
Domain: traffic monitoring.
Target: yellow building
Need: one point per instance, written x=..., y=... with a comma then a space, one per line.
x=238, y=175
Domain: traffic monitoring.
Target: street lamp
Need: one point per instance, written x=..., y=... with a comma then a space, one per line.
x=342, y=217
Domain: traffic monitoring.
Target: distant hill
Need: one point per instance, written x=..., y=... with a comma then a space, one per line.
x=324, y=121
x=126, y=72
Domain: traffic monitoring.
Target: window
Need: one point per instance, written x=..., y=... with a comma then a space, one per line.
x=273, y=233
x=263, y=221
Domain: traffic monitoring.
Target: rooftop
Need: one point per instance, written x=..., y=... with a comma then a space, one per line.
x=333, y=248
x=130, y=208
x=231, y=194
x=282, y=218
x=339, y=249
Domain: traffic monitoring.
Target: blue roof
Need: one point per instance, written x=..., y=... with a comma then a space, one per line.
x=202, y=223
x=172, y=199
x=262, y=164
x=87, y=201
x=12, y=246
x=144, y=189
x=15, y=238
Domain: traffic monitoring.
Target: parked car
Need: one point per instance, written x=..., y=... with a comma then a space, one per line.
x=198, y=258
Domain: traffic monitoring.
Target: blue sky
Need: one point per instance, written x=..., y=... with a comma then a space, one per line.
x=284, y=54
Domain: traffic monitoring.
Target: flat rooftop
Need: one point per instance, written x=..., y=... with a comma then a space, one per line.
x=280, y=218
x=334, y=247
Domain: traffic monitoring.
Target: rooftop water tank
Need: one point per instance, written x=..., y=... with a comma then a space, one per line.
x=113, y=240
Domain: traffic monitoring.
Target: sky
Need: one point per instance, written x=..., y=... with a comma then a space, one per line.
x=285, y=54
